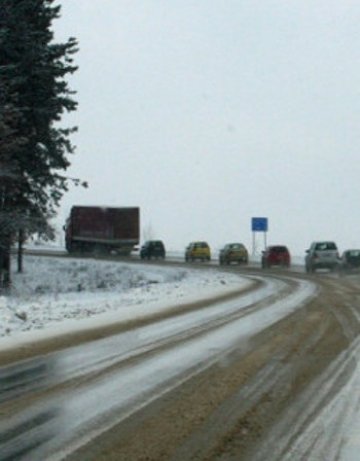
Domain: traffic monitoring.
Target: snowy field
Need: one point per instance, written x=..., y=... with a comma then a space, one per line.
x=54, y=294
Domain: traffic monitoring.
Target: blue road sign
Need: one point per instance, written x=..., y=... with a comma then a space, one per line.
x=259, y=224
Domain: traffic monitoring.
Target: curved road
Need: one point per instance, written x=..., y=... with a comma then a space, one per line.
x=228, y=379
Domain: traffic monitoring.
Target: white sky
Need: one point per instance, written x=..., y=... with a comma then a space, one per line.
x=206, y=113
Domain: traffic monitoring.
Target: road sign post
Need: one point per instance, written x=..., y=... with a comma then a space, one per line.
x=259, y=225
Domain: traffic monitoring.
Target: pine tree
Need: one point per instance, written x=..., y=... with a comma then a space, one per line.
x=33, y=97
x=10, y=141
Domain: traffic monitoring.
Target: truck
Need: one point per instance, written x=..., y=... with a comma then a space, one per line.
x=96, y=229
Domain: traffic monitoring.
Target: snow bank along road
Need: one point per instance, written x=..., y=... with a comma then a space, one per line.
x=265, y=373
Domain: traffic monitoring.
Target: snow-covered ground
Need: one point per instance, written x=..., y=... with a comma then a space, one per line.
x=63, y=294
x=55, y=295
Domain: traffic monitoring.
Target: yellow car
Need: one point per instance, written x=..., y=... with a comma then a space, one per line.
x=197, y=250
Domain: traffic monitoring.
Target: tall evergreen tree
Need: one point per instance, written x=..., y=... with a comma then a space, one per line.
x=10, y=141
x=32, y=71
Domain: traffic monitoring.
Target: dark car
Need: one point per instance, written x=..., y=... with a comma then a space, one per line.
x=275, y=255
x=350, y=260
x=233, y=252
x=152, y=249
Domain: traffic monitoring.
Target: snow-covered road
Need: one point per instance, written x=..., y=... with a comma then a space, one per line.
x=142, y=362
x=133, y=368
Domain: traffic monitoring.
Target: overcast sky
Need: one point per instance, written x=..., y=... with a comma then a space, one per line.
x=206, y=113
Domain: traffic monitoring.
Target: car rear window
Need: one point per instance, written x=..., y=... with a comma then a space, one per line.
x=322, y=246
x=279, y=249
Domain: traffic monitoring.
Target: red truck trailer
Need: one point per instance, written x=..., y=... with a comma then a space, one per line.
x=102, y=229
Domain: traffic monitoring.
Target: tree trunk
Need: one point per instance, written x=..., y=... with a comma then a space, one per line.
x=5, y=279
x=20, y=251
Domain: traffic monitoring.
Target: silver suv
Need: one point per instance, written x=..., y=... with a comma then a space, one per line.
x=322, y=255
